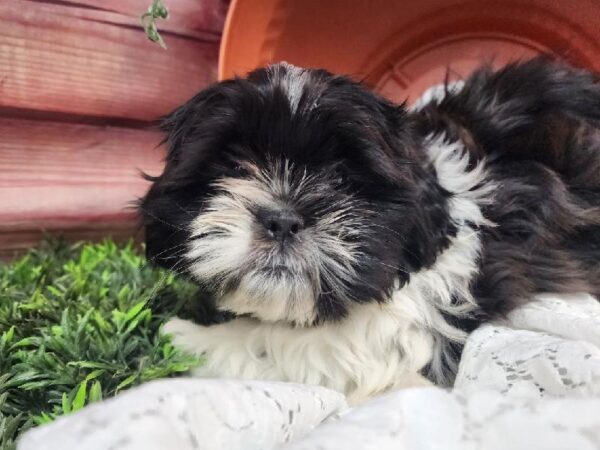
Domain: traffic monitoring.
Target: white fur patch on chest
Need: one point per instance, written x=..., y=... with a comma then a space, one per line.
x=413, y=321
x=445, y=288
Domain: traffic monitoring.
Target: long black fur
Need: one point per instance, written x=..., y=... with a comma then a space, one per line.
x=352, y=136
x=536, y=123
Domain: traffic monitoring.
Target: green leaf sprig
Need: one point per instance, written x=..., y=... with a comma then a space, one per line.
x=157, y=10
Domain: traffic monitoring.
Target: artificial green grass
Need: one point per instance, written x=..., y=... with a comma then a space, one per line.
x=79, y=323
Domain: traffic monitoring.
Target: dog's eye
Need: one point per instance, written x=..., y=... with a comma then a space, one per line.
x=340, y=178
x=240, y=170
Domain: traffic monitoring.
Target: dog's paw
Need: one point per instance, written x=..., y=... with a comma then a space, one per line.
x=416, y=380
x=186, y=335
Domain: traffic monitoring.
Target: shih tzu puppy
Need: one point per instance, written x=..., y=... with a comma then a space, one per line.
x=357, y=242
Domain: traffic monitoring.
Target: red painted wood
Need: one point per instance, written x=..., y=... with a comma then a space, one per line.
x=89, y=61
x=77, y=65
x=79, y=178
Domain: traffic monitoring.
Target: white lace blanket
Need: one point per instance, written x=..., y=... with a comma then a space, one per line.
x=532, y=382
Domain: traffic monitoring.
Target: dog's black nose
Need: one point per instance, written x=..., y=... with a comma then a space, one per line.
x=281, y=224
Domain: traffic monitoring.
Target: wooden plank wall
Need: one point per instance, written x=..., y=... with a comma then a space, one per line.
x=80, y=85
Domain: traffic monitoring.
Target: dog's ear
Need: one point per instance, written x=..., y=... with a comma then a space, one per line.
x=398, y=158
x=165, y=232
x=192, y=125
x=431, y=225
x=407, y=163
x=168, y=206
x=396, y=154
x=397, y=145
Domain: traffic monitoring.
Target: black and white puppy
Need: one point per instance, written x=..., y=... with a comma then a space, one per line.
x=358, y=242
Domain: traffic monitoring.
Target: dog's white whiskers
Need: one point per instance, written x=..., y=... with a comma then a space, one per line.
x=233, y=243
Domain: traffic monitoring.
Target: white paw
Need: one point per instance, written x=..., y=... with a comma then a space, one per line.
x=416, y=380
x=186, y=335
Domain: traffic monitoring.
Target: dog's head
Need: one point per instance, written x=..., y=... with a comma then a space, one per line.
x=293, y=194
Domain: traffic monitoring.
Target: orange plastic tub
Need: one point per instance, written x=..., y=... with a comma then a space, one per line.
x=400, y=47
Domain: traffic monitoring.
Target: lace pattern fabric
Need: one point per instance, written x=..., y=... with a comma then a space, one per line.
x=532, y=381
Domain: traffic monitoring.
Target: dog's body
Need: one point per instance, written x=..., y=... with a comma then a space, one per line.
x=358, y=242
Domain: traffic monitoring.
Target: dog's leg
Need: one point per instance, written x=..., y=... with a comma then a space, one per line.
x=223, y=347
x=344, y=358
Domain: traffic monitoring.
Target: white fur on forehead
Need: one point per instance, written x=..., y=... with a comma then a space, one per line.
x=292, y=79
